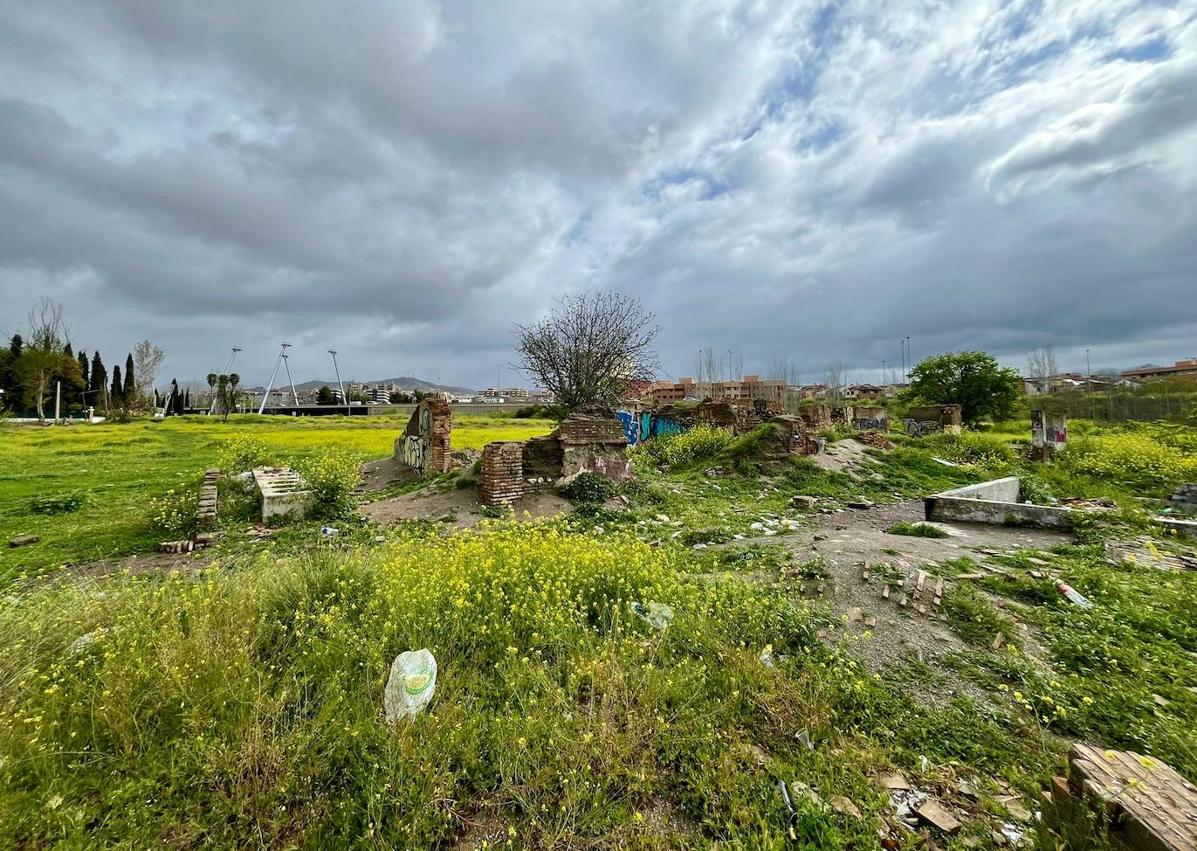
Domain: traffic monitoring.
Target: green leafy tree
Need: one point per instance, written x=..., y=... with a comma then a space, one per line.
x=324, y=396
x=227, y=391
x=972, y=380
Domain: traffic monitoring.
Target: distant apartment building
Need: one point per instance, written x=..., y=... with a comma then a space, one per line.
x=1148, y=371
x=749, y=388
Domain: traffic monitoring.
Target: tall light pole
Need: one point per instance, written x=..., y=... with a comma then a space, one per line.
x=340, y=386
x=290, y=380
x=909, y=361
x=269, y=384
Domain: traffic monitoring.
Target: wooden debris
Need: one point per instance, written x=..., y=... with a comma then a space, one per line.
x=1150, y=806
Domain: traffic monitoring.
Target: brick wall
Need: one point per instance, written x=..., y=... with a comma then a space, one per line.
x=502, y=481
x=425, y=443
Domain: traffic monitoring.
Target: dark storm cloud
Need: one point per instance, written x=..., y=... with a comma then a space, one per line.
x=404, y=182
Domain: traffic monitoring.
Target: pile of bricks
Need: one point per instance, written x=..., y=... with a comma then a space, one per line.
x=185, y=546
x=1185, y=497
x=205, y=514
x=502, y=481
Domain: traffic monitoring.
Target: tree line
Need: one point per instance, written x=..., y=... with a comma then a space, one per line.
x=37, y=364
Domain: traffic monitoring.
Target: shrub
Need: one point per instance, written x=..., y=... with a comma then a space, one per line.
x=1136, y=458
x=973, y=447
x=63, y=503
x=589, y=487
x=683, y=447
x=242, y=453
x=917, y=530
x=174, y=511
x=332, y=477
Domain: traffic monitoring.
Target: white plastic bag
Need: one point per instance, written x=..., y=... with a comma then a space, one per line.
x=410, y=685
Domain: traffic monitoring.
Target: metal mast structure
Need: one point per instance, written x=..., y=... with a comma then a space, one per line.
x=290, y=380
x=340, y=386
x=270, y=384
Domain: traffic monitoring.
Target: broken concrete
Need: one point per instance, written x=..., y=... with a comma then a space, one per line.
x=997, y=502
x=284, y=493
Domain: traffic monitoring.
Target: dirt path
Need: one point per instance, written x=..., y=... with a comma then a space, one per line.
x=458, y=507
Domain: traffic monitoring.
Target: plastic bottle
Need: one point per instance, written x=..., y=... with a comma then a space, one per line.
x=1075, y=597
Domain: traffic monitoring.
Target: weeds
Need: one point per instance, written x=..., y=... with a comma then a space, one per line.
x=917, y=530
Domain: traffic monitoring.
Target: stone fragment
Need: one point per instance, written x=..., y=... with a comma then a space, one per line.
x=844, y=806
x=805, y=502
x=894, y=781
x=936, y=815
x=23, y=540
x=998, y=641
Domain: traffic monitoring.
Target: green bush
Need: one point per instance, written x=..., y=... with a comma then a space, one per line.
x=62, y=503
x=589, y=487
x=332, y=478
x=174, y=511
x=242, y=453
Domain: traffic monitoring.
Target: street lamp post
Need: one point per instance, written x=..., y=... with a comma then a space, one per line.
x=340, y=386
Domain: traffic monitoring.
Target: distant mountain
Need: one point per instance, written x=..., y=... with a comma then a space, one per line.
x=407, y=383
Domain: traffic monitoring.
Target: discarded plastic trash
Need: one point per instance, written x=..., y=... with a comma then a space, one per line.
x=410, y=685
x=329, y=532
x=1073, y=596
x=656, y=615
x=946, y=463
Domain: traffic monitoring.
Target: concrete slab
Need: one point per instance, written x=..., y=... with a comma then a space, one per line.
x=997, y=502
x=284, y=492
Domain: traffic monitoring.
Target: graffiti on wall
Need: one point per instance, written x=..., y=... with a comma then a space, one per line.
x=914, y=428
x=646, y=425
x=415, y=451
x=868, y=423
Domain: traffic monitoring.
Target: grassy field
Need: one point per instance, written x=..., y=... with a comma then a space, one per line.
x=244, y=701
x=117, y=469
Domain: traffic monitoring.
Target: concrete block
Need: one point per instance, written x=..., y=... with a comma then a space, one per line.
x=283, y=492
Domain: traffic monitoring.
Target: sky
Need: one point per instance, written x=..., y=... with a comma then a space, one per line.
x=405, y=182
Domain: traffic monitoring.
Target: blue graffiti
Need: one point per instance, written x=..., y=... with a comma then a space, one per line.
x=631, y=427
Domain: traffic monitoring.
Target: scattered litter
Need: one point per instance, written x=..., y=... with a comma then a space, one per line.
x=329, y=532
x=1073, y=596
x=1012, y=833
x=944, y=462
x=656, y=615
x=803, y=737
x=410, y=685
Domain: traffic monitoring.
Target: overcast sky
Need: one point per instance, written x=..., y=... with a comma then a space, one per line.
x=405, y=181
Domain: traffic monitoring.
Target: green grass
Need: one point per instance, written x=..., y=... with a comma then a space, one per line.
x=917, y=530
x=117, y=470
x=246, y=701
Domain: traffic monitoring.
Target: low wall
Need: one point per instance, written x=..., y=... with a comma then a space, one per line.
x=996, y=502
x=1183, y=528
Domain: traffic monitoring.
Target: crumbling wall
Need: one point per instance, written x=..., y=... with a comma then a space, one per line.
x=585, y=442
x=843, y=415
x=593, y=443
x=502, y=480
x=815, y=417
x=425, y=443
x=932, y=418
x=871, y=418
x=795, y=435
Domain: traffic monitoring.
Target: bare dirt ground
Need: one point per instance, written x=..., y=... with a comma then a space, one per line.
x=881, y=631
x=458, y=506
x=380, y=474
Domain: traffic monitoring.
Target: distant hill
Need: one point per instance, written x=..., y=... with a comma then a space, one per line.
x=406, y=383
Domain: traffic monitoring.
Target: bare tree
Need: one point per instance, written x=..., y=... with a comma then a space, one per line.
x=147, y=360
x=835, y=382
x=781, y=368
x=710, y=366
x=42, y=362
x=1041, y=363
x=590, y=348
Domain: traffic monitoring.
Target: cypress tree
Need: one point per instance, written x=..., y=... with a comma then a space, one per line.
x=129, y=390
x=8, y=378
x=98, y=389
x=172, y=404
x=117, y=392
x=83, y=370
x=187, y=398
